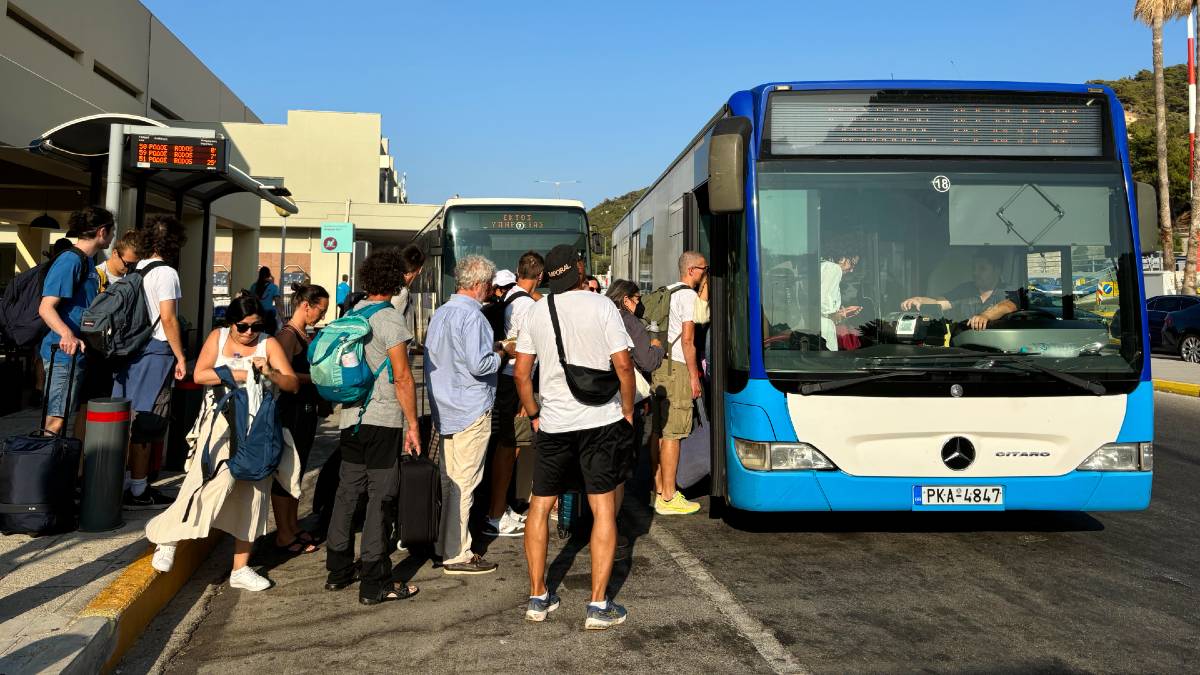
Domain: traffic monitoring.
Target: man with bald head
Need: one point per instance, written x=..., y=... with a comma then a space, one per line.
x=676, y=384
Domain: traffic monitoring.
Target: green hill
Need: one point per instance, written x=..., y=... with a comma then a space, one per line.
x=1137, y=96
x=604, y=216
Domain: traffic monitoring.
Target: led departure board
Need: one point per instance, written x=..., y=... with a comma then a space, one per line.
x=177, y=153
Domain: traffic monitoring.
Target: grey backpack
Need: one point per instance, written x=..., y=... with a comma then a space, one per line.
x=117, y=323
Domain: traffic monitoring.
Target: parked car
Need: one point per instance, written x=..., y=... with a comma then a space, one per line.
x=1181, y=330
x=1157, y=310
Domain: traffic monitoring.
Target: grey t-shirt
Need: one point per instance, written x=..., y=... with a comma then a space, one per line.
x=388, y=329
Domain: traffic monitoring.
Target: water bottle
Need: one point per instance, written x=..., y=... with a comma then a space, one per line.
x=349, y=359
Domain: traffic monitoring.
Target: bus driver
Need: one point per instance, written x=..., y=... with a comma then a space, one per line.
x=978, y=302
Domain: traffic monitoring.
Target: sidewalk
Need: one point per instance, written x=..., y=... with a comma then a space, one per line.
x=1174, y=375
x=46, y=581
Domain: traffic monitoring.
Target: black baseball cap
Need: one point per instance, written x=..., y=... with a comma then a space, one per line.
x=561, y=268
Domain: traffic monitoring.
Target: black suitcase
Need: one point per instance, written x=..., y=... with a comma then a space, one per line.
x=420, y=505
x=38, y=474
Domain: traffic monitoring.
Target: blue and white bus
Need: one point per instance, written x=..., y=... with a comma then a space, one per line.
x=856, y=234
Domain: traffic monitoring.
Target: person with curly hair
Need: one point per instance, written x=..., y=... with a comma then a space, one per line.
x=147, y=378
x=372, y=433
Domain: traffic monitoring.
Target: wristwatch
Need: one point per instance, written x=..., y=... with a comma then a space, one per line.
x=535, y=415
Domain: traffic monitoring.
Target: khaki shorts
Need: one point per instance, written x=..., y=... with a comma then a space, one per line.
x=672, y=407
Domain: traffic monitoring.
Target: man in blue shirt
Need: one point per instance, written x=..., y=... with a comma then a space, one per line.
x=343, y=290
x=461, y=362
x=70, y=286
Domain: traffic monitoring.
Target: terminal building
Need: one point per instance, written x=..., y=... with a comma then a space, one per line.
x=70, y=68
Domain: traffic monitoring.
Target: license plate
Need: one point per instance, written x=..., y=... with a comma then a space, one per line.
x=958, y=495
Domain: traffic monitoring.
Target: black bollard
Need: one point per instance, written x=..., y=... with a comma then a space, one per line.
x=104, y=449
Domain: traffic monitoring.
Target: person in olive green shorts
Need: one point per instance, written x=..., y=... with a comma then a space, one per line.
x=676, y=384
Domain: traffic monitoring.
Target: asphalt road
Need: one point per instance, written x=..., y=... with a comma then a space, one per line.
x=983, y=592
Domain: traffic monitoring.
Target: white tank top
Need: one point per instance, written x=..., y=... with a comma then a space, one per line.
x=243, y=363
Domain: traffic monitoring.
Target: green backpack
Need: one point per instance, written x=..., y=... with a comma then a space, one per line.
x=657, y=312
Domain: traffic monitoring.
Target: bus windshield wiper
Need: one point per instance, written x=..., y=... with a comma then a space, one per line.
x=1019, y=361
x=833, y=385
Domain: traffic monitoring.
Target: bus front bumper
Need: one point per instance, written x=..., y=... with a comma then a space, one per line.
x=839, y=491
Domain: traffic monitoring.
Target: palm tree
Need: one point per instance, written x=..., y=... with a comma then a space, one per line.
x=1154, y=13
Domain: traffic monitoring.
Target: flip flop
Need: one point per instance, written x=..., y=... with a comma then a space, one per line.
x=299, y=547
x=394, y=594
x=309, y=538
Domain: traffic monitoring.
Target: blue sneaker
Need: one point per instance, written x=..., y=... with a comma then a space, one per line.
x=603, y=619
x=539, y=608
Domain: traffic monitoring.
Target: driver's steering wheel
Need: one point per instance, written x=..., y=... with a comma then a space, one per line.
x=1028, y=315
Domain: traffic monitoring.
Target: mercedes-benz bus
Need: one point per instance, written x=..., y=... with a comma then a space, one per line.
x=500, y=229
x=881, y=336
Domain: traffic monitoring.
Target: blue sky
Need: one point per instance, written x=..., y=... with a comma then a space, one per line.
x=484, y=98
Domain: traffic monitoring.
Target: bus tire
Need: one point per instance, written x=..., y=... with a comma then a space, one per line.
x=718, y=507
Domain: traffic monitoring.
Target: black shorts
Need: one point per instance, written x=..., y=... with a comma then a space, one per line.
x=596, y=460
x=507, y=404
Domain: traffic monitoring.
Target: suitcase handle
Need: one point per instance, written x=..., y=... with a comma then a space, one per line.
x=42, y=431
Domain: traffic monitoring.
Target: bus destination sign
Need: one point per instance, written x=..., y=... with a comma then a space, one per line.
x=177, y=153
x=512, y=221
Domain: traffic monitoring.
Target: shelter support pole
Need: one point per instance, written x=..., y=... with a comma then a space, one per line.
x=112, y=186
x=139, y=204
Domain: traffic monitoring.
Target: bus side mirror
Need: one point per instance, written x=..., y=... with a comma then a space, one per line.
x=727, y=165
x=1147, y=214
x=597, y=243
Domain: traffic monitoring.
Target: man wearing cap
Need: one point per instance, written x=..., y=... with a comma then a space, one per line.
x=577, y=443
x=510, y=424
x=461, y=362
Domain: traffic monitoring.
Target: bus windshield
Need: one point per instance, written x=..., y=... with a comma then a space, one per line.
x=891, y=263
x=503, y=234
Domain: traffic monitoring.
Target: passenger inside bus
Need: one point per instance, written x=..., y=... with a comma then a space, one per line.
x=981, y=301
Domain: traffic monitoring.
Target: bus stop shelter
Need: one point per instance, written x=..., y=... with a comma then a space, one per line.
x=99, y=145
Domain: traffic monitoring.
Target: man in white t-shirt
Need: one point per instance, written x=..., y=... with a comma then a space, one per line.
x=147, y=378
x=510, y=424
x=576, y=443
x=676, y=384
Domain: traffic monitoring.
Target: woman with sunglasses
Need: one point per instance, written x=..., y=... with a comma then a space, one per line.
x=298, y=412
x=219, y=501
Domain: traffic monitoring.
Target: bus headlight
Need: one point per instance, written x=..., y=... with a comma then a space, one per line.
x=760, y=456
x=1120, y=457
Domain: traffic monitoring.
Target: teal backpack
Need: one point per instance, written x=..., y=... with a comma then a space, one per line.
x=339, y=366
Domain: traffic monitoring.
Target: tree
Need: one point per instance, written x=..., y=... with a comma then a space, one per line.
x=1189, y=270
x=1154, y=12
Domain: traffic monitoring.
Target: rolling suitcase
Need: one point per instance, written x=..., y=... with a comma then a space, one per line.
x=38, y=474
x=420, y=502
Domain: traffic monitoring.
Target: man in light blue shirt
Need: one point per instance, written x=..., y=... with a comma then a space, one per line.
x=461, y=363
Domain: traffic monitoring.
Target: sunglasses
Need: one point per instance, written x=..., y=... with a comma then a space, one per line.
x=257, y=327
x=129, y=263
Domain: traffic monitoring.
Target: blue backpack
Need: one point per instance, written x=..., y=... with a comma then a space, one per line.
x=257, y=445
x=339, y=368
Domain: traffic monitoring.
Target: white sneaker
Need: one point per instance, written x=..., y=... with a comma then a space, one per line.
x=504, y=527
x=247, y=579
x=164, y=557
x=519, y=517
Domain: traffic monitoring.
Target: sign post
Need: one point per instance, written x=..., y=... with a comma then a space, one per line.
x=338, y=238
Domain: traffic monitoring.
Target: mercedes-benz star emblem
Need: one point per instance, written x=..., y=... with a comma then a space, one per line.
x=956, y=390
x=958, y=453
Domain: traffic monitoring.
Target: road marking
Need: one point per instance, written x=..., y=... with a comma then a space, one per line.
x=752, y=629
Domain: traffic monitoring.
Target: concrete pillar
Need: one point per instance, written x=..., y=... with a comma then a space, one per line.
x=194, y=274
x=30, y=244
x=244, y=270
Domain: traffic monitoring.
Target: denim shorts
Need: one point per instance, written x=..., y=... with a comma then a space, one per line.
x=56, y=384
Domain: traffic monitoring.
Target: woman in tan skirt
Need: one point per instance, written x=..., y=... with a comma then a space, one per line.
x=238, y=507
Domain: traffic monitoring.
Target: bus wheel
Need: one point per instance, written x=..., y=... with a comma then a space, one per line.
x=718, y=507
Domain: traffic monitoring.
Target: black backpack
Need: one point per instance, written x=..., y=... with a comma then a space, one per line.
x=118, y=321
x=494, y=313
x=20, y=323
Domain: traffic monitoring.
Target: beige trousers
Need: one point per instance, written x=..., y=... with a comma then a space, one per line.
x=461, y=463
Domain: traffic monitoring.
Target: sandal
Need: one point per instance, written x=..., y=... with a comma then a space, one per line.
x=298, y=547
x=396, y=593
x=309, y=538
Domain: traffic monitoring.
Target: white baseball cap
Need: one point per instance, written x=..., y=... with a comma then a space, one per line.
x=504, y=278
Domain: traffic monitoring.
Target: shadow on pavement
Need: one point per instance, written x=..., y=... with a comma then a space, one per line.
x=911, y=522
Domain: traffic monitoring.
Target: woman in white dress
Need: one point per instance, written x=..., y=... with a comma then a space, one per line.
x=834, y=264
x=259, y=365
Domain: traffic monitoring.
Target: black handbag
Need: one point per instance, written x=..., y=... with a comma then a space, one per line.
x=589, y=386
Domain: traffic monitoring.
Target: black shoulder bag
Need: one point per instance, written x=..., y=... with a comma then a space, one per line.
x=589, y=386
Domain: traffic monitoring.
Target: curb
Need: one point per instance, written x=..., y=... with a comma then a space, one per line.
x=121, y=612
x=1181, y=388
